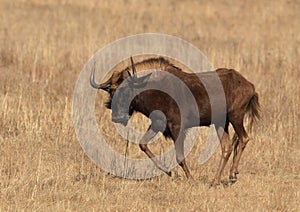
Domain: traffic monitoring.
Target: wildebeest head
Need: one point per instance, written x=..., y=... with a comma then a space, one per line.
x=112, y=83
x=124, y=85
x=118, y=77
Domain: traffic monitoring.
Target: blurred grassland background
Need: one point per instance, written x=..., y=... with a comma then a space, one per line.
x=44, y=46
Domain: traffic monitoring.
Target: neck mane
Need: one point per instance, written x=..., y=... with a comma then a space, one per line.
x=159, y=63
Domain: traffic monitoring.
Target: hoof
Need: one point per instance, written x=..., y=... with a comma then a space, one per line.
x=232, y=179
x=214, y=185
x=164, y=169
x=169, y=173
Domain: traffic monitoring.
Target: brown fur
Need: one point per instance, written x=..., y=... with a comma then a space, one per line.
x=241, y=103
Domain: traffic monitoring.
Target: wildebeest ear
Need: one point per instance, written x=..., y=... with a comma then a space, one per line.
x=126, y=73
x=139, y=82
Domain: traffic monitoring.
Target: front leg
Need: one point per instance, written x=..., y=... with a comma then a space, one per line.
x=150, y=134
x=178, y=138
x=179, y=147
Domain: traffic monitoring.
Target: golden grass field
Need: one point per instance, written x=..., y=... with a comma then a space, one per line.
x=43, y=48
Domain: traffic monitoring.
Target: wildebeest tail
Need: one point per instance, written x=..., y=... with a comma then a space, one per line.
x=252, y=116
x=253, y=111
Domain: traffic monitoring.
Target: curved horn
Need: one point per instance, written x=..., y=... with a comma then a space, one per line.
x=133, y=66
x=105, y=86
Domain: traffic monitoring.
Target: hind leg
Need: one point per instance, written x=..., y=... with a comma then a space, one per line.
x=240, y=145
x=226, y=146
x=235, y=143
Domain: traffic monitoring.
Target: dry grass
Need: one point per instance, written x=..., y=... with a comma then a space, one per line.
x=43, y=47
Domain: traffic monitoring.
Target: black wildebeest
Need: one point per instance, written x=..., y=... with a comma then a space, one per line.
x=241, y=103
